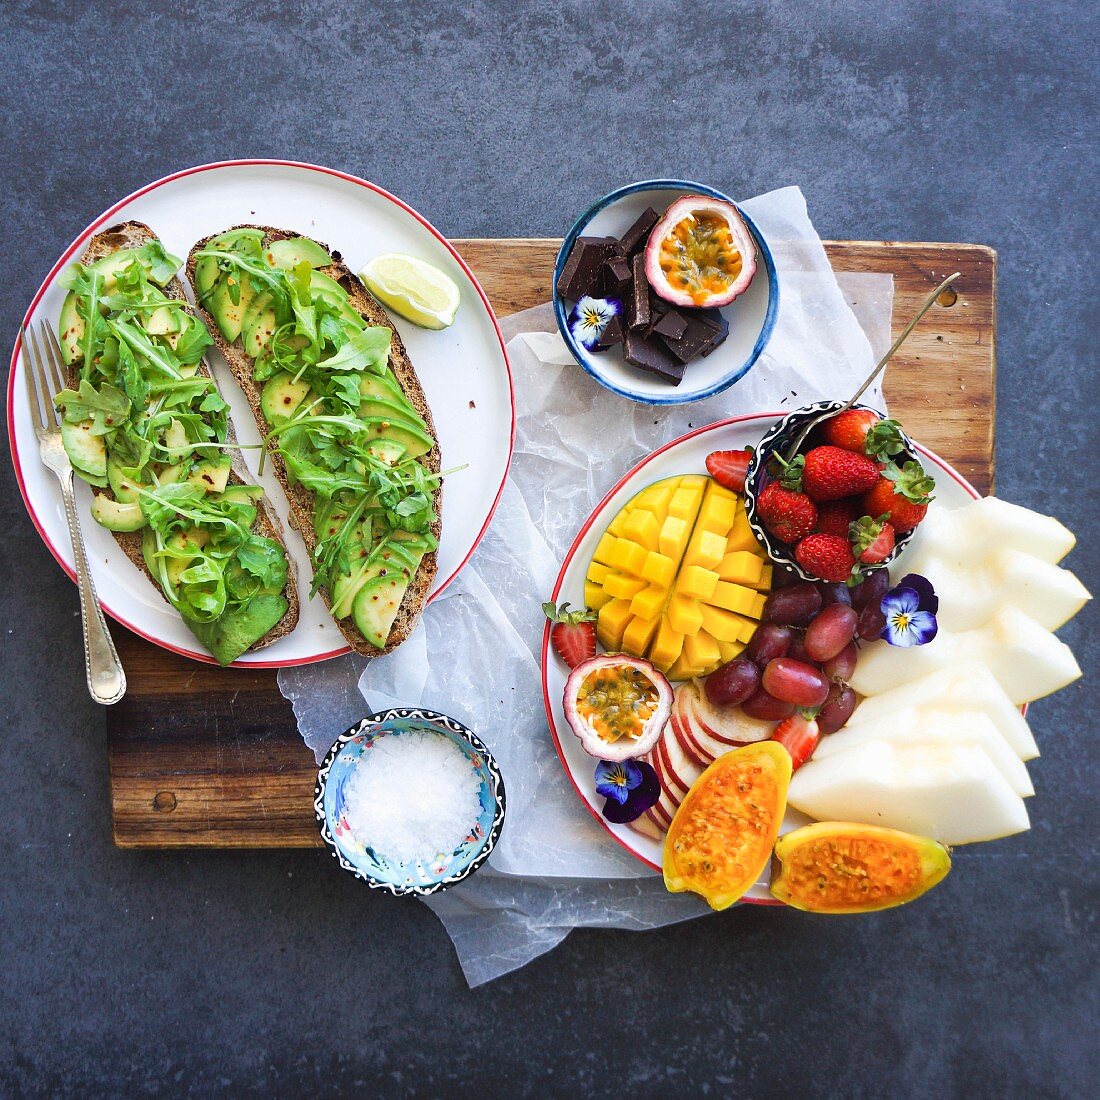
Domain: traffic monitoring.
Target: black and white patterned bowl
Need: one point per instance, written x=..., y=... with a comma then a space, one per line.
x=418, y=877
x=777, y=440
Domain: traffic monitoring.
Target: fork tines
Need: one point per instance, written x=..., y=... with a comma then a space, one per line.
x=45, y=375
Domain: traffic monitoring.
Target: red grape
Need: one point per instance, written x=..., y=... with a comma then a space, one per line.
x=871, y=622
x=782, y=577
x=797, y=651
x=871, y=590
x=766, y=707
x=794, y=606
x=841, y=667
x=732, y=683
x=835, y=593
x=795, y=682
x=769, y=641
x=831, y=631
x=837, y=709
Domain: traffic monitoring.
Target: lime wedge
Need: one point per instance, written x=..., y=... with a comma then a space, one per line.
x=412, y=288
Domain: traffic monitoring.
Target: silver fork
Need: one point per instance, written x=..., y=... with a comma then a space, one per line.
x=46, y=377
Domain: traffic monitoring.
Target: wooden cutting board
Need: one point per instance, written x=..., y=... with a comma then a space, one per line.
x=209, y=757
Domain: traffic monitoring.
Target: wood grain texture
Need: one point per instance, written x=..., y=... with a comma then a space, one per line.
x=209, y=757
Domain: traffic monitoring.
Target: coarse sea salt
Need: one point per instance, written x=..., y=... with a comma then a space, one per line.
x=413, y=796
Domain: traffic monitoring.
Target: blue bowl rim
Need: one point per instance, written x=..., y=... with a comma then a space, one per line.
x=432, y=717
x=687, y=187
x=780, y=552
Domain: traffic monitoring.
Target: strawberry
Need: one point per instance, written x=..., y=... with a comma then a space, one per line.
x=832, y=472
x=799, y=735
x=901, y=496
x=834, y=517
x=848, y=429
x=865, y=432
x=728, y=468
x=573, y=634
x=787, y=514
x=872, y=539
x=826, y=556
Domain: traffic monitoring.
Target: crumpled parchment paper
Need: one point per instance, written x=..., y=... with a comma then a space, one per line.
x=476, y=653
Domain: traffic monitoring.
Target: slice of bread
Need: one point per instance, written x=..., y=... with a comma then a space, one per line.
x=300, y=499
x=134, y=235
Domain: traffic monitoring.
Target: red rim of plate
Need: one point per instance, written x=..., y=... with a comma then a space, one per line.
x=588, y=523
x=110, y=213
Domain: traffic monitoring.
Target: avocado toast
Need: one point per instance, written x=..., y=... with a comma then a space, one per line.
x=348, y=431
x=145, y=426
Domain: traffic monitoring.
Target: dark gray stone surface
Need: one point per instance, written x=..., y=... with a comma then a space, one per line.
x=134, y=974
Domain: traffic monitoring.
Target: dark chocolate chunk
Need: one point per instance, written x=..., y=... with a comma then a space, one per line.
x=638, y=305
x=637, y=235
x=612, y=334
x=696, y=337
x=670, y=324
x=649, y=355
x=615, y=277
x=710, y=317
x=582, y=266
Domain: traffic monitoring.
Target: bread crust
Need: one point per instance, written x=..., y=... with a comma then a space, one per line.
x=134, y=234
x=300, y=499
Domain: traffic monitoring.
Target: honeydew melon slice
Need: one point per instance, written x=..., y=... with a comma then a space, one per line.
x=968, y=687
x=951, y=792
x=909, y=728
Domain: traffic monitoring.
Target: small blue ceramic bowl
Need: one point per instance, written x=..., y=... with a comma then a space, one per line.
x=414, y=877
x=751, y=316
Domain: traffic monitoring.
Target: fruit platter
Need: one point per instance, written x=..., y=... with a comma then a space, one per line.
x=786, y=655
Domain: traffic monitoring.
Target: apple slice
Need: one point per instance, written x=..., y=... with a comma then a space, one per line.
x=699, y=748
x=647, y=827
x=906, y=728
x=950, y=792
x=969, y=687
x=730, y=725
x=691, y=750
x=681, y=770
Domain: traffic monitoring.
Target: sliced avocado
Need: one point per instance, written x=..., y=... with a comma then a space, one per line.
x=70, y=330
x=290, y=253
x=191, y=541
x=411, y=436
x=124, y=489
x=110, y=266
x=383, y=386
x=237, y=631
x=206, y=267
x=175, y=435
x=169, y=473
x=230, y=315
x=376, y=606
x=117, y=516
x=212, y=473
x=258, y=325
x=327, y=287
x=281, y=396
x=162, y=322
x=87, y=452
x=400, y=410
x=388, y=451
x=242, y=494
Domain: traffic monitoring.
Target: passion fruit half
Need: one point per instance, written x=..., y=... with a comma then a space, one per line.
x=617, y=705
x=701, y=253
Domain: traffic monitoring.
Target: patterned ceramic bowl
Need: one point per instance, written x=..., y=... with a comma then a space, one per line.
x=416, y=876
x=778, y=439
x=751, y=317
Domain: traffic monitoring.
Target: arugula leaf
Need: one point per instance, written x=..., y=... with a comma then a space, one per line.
x=366, y=350
x=133, y=381
x=160, y=264
x=107, y=407
x=140, y=342
x=193, y=342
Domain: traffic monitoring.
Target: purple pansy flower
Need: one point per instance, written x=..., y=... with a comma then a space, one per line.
x=630, y=787
x=589, y=318
x=910, y=608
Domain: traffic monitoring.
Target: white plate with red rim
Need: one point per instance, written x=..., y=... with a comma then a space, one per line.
x=463, y=369
x=685, y=455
